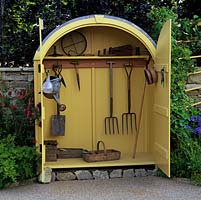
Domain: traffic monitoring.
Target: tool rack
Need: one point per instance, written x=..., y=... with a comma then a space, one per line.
x=87, y=108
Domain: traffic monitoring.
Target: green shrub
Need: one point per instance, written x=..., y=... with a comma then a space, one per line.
x=16, y=163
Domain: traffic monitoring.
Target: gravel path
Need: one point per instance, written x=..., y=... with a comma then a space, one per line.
x=137, y=188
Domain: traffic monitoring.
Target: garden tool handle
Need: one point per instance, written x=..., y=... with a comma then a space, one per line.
x=111, y=86
x=111, y=106
x=128, y=73
x=129, y=96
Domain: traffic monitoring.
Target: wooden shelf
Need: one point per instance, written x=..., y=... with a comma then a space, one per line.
x=95, y=61
x=141, y=159
x=146, y=57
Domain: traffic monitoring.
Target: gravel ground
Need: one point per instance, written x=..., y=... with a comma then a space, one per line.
x=137, y=188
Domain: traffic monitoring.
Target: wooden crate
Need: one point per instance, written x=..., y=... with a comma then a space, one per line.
x=69, y=153
x=50, y=150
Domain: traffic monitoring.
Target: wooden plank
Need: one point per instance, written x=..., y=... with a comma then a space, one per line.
x=164, y=111
x=141, y=159
x=95, y=63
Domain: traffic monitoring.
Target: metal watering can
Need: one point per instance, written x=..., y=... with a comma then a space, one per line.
x=51, y=90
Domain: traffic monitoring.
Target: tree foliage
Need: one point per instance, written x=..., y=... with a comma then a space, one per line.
x=19, y=33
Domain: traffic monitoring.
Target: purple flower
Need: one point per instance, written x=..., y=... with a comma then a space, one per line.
x=192, y=119
x=198, y=118
x=198, y=131
x=189, y=128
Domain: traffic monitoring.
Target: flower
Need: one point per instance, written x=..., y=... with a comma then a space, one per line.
x=192, y=119
x=13, y=107
x=198, y=131
x=194, y=125
x=9, y=93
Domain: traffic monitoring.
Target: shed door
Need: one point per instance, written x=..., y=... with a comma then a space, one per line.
x=161, y=107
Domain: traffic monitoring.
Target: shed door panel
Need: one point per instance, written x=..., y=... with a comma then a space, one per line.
x=161, y=107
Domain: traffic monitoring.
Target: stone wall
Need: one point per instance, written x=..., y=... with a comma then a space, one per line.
x=193, y=81
x=17, y=78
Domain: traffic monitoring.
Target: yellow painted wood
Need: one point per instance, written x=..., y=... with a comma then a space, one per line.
x=161, y=109
x=141, y=159
x=42, y=107
x=122, y=142
x=94, y=57
x=37, y=100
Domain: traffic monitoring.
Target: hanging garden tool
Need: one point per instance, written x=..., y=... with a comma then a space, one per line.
x=75, y=63
x=129, y=115
x=57, y=71
x=111, y=122
x=58, y=122
x=51, y=89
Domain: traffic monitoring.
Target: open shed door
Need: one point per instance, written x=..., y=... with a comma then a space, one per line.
x=161, y=107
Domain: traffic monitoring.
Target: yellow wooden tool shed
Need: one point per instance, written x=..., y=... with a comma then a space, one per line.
x=87, y=106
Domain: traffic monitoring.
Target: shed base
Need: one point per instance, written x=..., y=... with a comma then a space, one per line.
x=141, y=159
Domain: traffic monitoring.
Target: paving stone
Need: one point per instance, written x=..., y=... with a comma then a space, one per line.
x=97, y=174
x=65, y=176
x=117, y=173
x=83, y=175
x=128, y=173
x=47, y=175
x=53, y=177
x=140, y=172
x=152, y=172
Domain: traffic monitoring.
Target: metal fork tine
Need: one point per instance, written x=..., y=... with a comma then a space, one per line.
x=127, y=123
x=131, y=121
x=117, y=125
x=109, y=126
x=122, y=121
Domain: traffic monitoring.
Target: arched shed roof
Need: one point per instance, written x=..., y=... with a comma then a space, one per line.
x=96, y=20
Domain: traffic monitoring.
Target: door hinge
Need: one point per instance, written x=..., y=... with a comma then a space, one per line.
x=39, y=68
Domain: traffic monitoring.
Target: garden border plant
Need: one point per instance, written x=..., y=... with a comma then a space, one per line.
x=185, y=147
x=18, y=155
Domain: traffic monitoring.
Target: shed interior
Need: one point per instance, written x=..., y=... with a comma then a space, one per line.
x=87, y=108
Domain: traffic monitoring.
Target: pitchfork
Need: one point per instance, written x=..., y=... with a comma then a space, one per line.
x=111, y=121
x=129, y=68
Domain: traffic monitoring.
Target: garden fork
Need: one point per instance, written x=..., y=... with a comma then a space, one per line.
x=129, y=68
x=111, y=122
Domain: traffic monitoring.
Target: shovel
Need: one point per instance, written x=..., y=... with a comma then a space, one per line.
x=58, y=123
